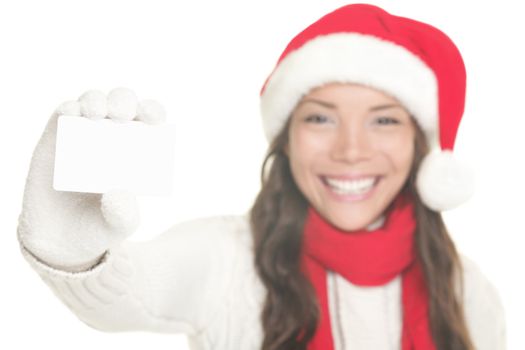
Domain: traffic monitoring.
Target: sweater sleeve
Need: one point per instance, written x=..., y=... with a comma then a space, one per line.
x=171, y=284
x=484, y=312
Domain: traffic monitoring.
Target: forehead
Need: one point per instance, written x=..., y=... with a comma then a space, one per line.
x=348, y=91
x=349, y=96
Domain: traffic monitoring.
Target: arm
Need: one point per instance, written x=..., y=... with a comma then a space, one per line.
x=76, y=242
x=172, y=283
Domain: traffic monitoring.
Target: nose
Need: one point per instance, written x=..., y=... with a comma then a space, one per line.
x=351, y=145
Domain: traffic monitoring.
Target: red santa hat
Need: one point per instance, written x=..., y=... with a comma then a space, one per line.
x=412, y=61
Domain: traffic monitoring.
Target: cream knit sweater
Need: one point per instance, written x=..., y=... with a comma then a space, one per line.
x=198, y=278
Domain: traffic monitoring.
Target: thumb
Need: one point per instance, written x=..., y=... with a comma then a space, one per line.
x=120, y=211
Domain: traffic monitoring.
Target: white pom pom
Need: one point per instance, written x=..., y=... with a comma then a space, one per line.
x=93, y=104
x=122, y=104
x=444, y=183
x=151, y=112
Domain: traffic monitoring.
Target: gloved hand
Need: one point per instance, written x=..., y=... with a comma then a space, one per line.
x=73, y=230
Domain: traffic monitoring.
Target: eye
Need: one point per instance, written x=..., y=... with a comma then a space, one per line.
x=386, y=120
x=316, y=118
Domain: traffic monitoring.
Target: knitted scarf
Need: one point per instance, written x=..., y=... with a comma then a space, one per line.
x=369, y=258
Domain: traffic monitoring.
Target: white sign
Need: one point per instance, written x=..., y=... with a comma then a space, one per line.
x=98, y=155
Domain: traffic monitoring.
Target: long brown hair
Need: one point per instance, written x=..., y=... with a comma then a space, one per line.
x=291, y=313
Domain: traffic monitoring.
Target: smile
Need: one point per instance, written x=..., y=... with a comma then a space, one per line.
x=357, y=188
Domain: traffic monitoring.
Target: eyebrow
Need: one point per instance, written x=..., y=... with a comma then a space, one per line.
x=332, y=106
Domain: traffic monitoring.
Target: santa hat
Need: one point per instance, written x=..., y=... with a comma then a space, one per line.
x=409, y=60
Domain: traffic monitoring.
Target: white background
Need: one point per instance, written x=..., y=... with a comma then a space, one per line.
x=206, y=61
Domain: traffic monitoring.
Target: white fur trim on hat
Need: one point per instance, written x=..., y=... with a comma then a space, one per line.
x=353, y=58
x=443, y=182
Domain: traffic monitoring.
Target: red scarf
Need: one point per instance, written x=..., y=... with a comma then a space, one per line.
x=369, y=258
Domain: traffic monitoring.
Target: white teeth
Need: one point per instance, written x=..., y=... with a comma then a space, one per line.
x=351, y=186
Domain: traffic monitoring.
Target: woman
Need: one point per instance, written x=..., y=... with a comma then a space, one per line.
x=344, y=247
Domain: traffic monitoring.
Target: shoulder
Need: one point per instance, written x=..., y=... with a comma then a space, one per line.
x=484, y=312
x=476, y=283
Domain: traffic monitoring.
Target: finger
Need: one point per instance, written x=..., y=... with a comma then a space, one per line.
x=93, y=104
x=122, y=104
x=120, y=210
x=151, y=112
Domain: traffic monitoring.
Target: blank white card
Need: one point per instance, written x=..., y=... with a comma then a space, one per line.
x=98, y=155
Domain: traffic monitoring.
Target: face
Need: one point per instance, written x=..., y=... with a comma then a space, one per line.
x=350, y=149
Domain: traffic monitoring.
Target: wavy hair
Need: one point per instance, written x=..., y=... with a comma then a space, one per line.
x=291, y=312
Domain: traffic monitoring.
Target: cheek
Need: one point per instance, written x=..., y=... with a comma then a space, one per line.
x=304, y=140
x=305, y=156
x=296, y=157
x=300, y=163
x=399, y=150
x=403, y=154
x=306, y=146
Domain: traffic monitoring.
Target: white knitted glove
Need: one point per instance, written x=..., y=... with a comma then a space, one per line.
x=73, y=230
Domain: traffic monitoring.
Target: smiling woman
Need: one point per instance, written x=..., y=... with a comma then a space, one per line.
x=354, y=106
x=344, y=247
